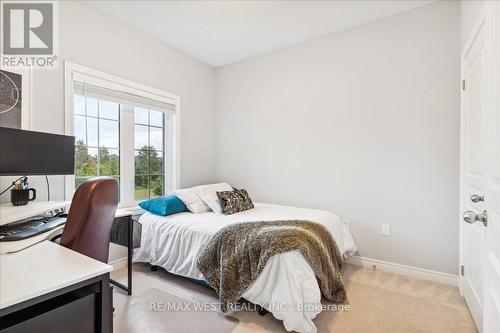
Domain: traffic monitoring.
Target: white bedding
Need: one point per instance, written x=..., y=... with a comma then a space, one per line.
x=174, y=242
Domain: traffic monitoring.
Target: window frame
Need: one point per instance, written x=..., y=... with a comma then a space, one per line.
x=127, y=162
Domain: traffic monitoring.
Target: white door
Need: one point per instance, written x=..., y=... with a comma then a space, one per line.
x=480, y=201
x=492, y=196
x=475, y=71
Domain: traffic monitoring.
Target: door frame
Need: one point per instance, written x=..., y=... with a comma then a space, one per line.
x=483, y=19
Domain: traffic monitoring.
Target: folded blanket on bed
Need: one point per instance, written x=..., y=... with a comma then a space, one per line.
x=237, y=254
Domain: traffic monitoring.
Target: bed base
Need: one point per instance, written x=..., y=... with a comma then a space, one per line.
x=261, y=311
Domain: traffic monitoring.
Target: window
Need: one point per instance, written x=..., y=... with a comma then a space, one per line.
x=149, y=129
x=97, y=139
x=124, y=130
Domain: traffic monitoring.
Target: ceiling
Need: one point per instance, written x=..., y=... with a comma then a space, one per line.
x=222, y=32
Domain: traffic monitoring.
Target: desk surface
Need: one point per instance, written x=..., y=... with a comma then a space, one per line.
x=41, y=269
x=10, y=213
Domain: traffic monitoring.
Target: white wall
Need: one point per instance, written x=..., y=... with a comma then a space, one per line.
x=469, y=11
x=364, y=123
x=94, y=39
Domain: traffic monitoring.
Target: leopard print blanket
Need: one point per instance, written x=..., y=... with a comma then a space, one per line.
x=237, y=254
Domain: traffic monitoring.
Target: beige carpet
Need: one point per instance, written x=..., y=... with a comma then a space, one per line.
x=149, y=312
x=379, y=302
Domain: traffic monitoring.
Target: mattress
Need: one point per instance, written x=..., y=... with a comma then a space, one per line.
x=287, y=281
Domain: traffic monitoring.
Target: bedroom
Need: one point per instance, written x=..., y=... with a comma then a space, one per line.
x=353, y=115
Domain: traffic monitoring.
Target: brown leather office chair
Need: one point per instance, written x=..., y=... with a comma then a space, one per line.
x=90, y=217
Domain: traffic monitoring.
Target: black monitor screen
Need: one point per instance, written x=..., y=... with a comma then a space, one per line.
x=36, y=153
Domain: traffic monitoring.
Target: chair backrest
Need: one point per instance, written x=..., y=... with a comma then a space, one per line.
x=90, y=217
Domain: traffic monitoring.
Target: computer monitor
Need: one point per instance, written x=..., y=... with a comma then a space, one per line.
x=35, y=153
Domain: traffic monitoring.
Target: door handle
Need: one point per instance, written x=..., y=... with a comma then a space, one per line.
x=472, y=217
x=477, y=198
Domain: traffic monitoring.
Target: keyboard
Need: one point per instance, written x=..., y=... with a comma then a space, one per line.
x=19, y=231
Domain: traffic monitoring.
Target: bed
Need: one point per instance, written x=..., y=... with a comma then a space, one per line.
x=173, y=242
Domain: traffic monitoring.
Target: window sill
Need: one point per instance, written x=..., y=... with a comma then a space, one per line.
x=134, y=209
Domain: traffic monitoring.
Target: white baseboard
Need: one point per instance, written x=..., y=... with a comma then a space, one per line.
x=410, y=271
x=385, y=266
x=118, y=263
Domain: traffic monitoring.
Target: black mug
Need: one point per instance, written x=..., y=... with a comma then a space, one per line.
x=22, y=197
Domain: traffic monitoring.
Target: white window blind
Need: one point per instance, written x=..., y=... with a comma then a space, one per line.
x=121, y=96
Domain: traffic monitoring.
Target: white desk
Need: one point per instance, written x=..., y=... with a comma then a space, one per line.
x=10, y=213
x=41, y=269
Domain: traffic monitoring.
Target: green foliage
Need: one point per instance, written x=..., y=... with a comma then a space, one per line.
x=109, y=164
x=155, y=162
x=156, y=186
x=86, y=165
x=148, y=163
x=142, y=162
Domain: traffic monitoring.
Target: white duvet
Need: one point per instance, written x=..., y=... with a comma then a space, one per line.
x=287, y=281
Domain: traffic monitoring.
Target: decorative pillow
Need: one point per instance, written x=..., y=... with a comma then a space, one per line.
x=234, y=201
x=208, y=193
x=192, y=201
x=164, y=206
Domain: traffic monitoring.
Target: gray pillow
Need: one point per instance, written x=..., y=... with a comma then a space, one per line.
x=234, y=201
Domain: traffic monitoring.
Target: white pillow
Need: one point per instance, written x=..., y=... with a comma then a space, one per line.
x=208, y=193
x=192, y=201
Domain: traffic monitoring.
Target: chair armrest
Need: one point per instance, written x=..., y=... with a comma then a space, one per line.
x=55, y=238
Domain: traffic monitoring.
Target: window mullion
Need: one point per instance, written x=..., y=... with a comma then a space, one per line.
x=168, y=150
x=149, y=153
x=127, y=162
x=98, y=139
